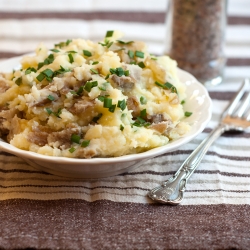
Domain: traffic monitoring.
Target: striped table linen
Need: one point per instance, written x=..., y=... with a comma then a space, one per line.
x=39, y=210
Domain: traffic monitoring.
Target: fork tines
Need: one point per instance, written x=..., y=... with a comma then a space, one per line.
x=240, y=105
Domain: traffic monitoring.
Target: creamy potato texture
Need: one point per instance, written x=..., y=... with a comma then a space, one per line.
x=85, y=99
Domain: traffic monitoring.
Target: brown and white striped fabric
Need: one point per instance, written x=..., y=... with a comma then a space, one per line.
x=42, y=211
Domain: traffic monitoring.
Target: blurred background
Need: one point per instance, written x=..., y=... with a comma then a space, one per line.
x=26, y=23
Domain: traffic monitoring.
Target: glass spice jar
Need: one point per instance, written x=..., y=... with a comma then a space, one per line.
x=196, y=36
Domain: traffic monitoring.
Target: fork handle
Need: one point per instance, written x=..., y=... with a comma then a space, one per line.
x=172, y=190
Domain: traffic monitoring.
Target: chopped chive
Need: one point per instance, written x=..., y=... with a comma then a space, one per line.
x=187, y=114
x=167, y=85
x=40, y=65
x=71, y=59
x=143, y=100
x=141, y=64
x=94, y=63
x=121, y=127
x=73, y=92
x=71, y=51
x=29, y=70
x=80, y=90
x=95, y=71
x=96, y=118
x=85, y=143
x=126, y=72
x=107, y=76
x=153, y=58
x=118, y=71
x=131, y=54
x=18, y=81
x=48, y=72
x=89, y=85
x=112, y=108
x=51, y=97
x=182, y=102
x=139, y=54
x=103, y=87
x=49, y=111
x=55, y=50
x=107, y=103
x=109, y=44
x=122, y=42
x=72, y=150
x=101, y=98
x=68, y=42
x=75, y=138
x=40, y=77
x=109, y=33
x=121, y=104
x=57, y=114
x=87, y=53
x=143, y=113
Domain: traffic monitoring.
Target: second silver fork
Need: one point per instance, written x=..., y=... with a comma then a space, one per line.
x=235, y=117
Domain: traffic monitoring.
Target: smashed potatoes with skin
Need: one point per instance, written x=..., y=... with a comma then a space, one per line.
x=83, y=99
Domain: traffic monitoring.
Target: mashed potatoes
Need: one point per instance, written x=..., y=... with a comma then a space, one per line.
x=84, y=99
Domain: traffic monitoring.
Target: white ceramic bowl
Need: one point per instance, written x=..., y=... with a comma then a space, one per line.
x=198, y=102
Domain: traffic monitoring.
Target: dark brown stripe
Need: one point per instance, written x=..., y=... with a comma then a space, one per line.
x=238, y=61
x=229, y=157
x=222, y=96
x=137, y=16
x=131, y=16
x=77, y=224
x=196, y=171
x=114, y=188
x=22, y=171
x=238, y=20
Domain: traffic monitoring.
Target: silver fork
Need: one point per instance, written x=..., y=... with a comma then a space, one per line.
x=235, y=117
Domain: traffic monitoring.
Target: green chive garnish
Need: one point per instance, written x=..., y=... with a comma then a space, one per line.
x=75, y=138
x=40, y=77
x=29, y=70
x=141, y=64
x=139, y=54
x=143, y=113
x=87, y=53
x=167, y=85
x=85, y=143
x=72, y=150
x=131, y=54
x=121, y=127
x=112, y=108
x=182, y=102
x=89, y=85
x=96, y=118
x=187, y=114
x=121, y=104
x=109, y=33
x=71, y=59
x=95, y=71
x=48, y=72
x=143, y=100
x=49, y=111
x=51, y=97
x=107, y=103
x=55, y=50
x=18, y=81
x=94, y=63
x=122, y=42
